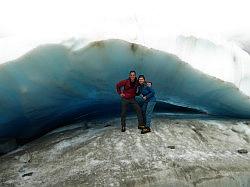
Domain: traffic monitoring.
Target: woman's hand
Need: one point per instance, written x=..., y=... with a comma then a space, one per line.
x=122, y=94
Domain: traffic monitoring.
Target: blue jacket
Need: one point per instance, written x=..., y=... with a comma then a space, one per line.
x=147, y=91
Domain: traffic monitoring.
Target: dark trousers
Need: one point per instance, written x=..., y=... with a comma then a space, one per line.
x=124, y=106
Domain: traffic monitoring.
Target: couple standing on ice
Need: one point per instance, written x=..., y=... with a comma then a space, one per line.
x=130, y=88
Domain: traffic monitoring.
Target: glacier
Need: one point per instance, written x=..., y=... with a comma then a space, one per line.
x=53, y=84
x=220, y=58
x=178, y=152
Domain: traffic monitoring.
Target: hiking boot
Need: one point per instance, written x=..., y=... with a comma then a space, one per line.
x=123, y=129
x=141, y=126
x=145, y=130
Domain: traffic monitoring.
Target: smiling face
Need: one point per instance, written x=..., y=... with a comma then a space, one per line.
x=141, y=80
x=132, y=76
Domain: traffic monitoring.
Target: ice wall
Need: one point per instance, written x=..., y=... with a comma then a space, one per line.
x=51, y=84
x=220, y=58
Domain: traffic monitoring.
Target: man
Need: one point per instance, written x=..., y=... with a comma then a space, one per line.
x=128, y=93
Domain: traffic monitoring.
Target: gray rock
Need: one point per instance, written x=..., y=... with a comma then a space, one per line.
x=171, y=147
x=242, y=151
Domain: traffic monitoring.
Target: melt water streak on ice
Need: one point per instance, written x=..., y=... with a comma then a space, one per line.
x=51, y=84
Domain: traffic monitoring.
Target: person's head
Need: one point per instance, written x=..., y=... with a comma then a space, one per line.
x=141, y=79
x=149, y=84
x=132, y=75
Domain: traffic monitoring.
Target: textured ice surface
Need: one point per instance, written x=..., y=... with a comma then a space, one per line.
x=204, y=155
x=52, y=84
x=222, y=59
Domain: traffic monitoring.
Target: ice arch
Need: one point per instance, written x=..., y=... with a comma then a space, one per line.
x=51, y=83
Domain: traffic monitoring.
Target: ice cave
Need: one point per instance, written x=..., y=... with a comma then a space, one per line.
x=60, y=113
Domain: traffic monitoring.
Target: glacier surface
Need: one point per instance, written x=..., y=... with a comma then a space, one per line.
x=52, y=84
x=178, y=152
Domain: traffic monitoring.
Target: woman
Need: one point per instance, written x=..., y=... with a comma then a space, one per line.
x=149, y=101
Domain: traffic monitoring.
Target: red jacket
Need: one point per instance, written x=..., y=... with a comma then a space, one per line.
x=129, y=90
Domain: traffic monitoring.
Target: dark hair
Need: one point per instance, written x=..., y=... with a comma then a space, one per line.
x=150, y=82
x=141, y=76
x=132, y=71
